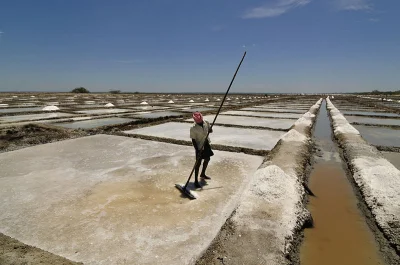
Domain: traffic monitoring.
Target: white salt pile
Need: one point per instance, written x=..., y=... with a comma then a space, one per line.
x=109, y=105
x=228, y=99
x=170, y=101
x=50, y=108
x=218, y=99
x=32, y=96
x=191, y=101
x=207, y=100
x=144, y=103
x=294, y=136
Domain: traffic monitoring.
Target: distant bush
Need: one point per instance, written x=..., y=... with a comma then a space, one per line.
x=115, y=91
x=80, y=90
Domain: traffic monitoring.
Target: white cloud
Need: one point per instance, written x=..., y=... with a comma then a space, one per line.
x=354, y=5
x=275, y=9
x=374, y=20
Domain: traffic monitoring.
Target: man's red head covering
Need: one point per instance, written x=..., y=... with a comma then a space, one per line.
x=197, y=117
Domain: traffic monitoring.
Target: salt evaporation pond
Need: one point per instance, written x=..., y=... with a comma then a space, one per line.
x=393, y=158
x=263, y=114
x=88, y=124
x=229, y=136
x=154, y=115
x=370, y=113
x=32, y=117
x=103, y=111
x=71, y=195
x=373, y=120
x=197, y=109
x=13, y=110
x=379, y=135
x=149, y=107
x=283, y=109
x=282, y=124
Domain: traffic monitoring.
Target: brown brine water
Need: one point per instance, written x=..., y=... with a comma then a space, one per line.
x=340, y=234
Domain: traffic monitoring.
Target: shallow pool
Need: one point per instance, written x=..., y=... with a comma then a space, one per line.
x=373, y=120
x=379, y=135
x=88, y=124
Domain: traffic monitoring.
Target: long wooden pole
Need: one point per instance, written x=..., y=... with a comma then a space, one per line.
x=219, y=109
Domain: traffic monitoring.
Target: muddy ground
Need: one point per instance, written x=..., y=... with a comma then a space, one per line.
x=14, y=252
x=17, y=137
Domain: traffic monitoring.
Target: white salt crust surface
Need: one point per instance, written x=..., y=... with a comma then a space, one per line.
x=272, y=204
x=377, y=178
x=229, y=136
x=32, y=117
x=263, y=114
x=103, y=111
x=283, y=124
x=111, y=199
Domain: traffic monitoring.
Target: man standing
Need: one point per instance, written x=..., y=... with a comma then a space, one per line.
x=198, y=133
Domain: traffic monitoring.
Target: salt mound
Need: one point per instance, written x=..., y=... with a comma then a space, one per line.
x=170, y=101
x=303, y=122
x=191, y=101
x=207, y=100
x=144, y=103
x=293, y=136
x=228, y=99
x=109, y=105
x=333, y=97
x=308, y=115
x=32, y=96
x=218, y=99
x=51, y=108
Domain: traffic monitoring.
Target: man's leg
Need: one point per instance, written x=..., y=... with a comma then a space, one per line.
x=203, y=171
x=196, y=172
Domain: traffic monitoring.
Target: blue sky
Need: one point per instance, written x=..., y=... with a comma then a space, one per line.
x=195, y=46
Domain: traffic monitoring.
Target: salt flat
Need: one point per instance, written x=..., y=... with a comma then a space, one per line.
x=379, y=135
x=283, y=124
x=368, y=120
x=103, y=111
x=32, y=117
x=263, y=114
x=229, y=136
x=157, y=114
x=266, y=108
x=93, y=123
x=111, y=199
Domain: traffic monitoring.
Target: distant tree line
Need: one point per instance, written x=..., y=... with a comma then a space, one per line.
x=377, y=92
